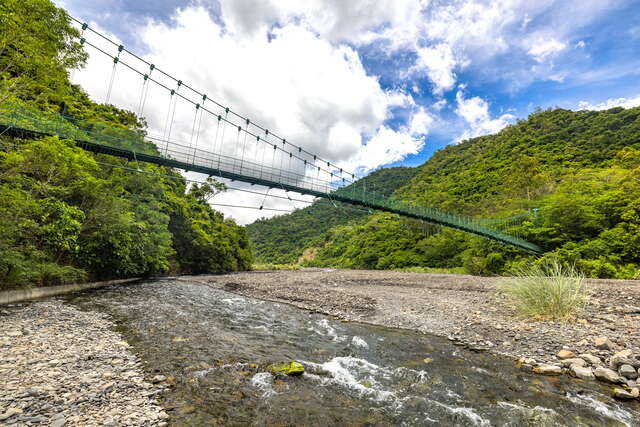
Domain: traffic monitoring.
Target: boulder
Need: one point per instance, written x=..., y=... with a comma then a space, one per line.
x=584, y=373
x=291, y=368
x=620, y=358
x=604, y=343
x=619, y=393
x=574, y=361
x=545, y=369
x=591, y=359
x=566, y=354
x=607, y=375
x=628, y=371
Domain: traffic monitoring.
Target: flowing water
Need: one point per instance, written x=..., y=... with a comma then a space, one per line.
x=214, y=346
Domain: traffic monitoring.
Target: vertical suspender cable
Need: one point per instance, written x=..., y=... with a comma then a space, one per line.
x=173, y=115
x=145, y=91
x=113, y=72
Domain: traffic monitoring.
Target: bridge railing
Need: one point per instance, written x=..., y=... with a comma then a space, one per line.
x=12, y=115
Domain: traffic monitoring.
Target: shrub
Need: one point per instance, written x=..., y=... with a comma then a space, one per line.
x=546, y=291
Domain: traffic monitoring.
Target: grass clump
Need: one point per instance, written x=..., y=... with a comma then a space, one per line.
x=550, y=291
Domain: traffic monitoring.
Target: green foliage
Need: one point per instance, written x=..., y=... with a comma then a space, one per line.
x=65, y=214
x=282, y=240
x=37, y=47
x=546, y=291
x=581, y=170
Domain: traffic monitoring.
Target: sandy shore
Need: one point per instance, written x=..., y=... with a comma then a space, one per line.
x=463, y=308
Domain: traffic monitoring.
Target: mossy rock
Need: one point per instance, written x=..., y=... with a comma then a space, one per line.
x=291, y=368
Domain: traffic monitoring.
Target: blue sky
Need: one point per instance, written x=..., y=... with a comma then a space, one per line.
x=375, y=83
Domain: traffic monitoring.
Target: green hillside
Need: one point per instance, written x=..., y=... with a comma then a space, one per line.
x=283, y=239
x=580, y=170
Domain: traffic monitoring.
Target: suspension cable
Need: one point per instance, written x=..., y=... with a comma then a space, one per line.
x=299, y=148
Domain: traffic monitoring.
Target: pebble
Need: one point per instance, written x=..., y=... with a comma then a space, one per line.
x=593, y=360
x=566, y=354
x=604, y=343
x=66, y=371
x=607, y=375
x=584, y=373
x=545, y=369
x=628, y=371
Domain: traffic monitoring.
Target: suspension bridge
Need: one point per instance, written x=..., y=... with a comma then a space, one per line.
x=209, y=137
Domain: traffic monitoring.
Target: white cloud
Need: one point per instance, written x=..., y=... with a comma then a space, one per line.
x=315, y=93
x=421, y=122
x=438, y=62
x=610, y=103
x=475, y=112
x=543, y=49
x=581, y=44
x=386, y=143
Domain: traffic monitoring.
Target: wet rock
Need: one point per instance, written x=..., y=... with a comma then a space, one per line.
x=607, y=375
x=545, y=369
x=584, y=373
x=591, y=359
x=628, y=371
x=574, y=361
x=291, y=368
x=604, y=343
x=620, y=393
x=566, y=354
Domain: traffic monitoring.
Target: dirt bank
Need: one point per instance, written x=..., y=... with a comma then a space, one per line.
x=463, y=308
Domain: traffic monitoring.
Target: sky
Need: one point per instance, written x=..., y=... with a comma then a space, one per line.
x=370, y=83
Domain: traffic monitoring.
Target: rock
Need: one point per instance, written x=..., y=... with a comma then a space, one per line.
x=607, y=375
x=620, y=358
x=158, y=379
x=574, y=361
x=619, y=393
x=59, y=422
x=591, y=359
x=628, y=371
x=604, y=343
x=582, y=343
x=14, y=334
x=581, y=372
x=545, y=369
x=566, y=354
x=10, y=413
x=292, y=368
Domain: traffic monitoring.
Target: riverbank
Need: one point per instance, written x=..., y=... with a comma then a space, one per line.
x=63, y=366
x=463, y=308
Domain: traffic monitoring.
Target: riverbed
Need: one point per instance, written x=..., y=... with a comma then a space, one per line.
x=213, y=347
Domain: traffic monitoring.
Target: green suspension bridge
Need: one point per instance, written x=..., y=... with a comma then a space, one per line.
x=210, y=138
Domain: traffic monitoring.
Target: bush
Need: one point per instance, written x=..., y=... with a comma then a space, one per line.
x=550, y=291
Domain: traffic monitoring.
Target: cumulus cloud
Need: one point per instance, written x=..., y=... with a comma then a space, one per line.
x=315, y=93
x=475, y=112
x=610, y=103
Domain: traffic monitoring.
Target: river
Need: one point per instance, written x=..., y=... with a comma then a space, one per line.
x=214, y=347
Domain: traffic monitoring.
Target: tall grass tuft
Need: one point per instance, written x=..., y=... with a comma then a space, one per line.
x=550, y=291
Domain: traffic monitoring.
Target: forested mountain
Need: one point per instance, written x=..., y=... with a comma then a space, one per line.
x=579, y=169
x=67, y=215
x=283, y=239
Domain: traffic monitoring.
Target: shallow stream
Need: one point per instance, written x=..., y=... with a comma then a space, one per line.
x=214, y=346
